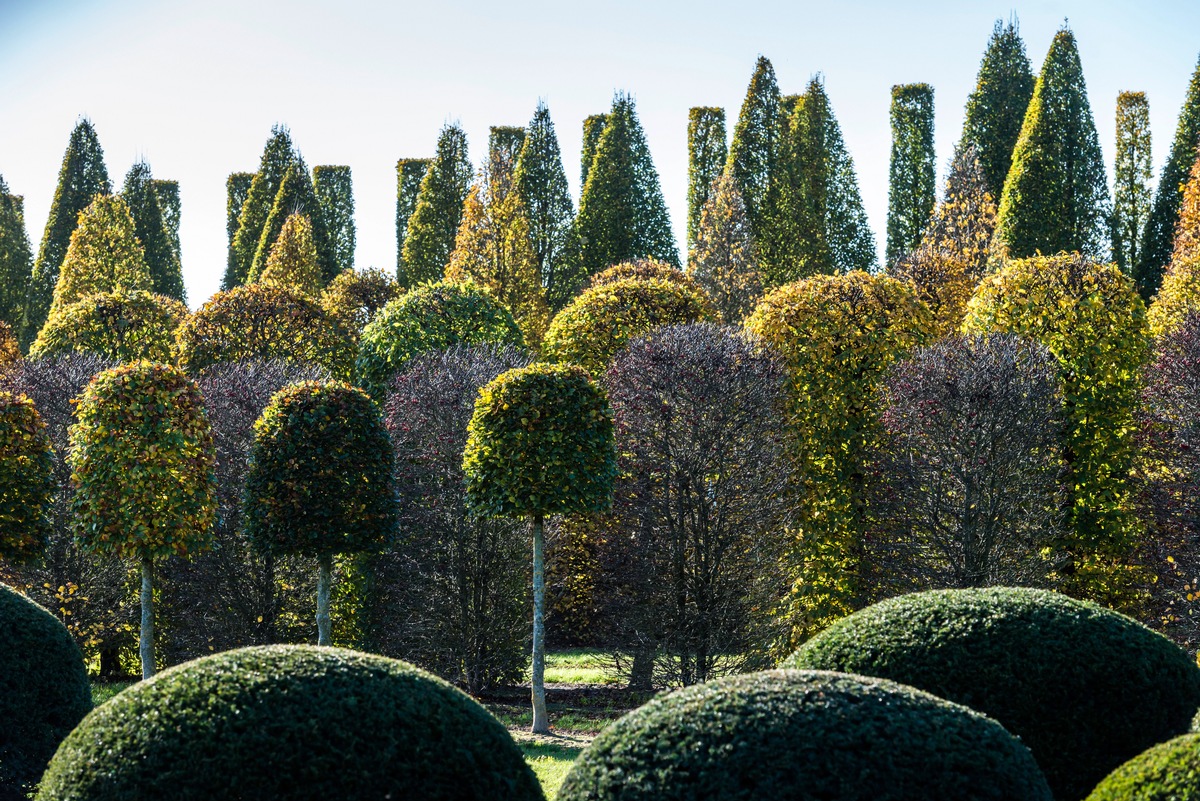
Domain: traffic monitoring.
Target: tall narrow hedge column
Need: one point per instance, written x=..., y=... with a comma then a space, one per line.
x=912, y=178
x=1134, y=171
x=409, y=173
x=707, y=152
x=593, y=126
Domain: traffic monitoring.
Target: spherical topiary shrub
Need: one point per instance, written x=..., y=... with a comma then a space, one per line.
x=1084, y=687
x=1169, y=771
x=792, y=735
x=123, y=325
x=293, y=722
x=44, y=691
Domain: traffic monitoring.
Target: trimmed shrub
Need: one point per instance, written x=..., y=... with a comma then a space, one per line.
x=104, y=254
x=354, y=297
x=290, y=722
x=1084, y=687
x=648, y=269
x=1169, y=771
x=802, y=735
x=122, y=325
x=26, y=480
x=10, y=348
x=44, y=691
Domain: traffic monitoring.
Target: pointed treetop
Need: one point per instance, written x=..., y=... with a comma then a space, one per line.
x=104, y=254
x=279, y=154
x=150, y=227
x=754, y=153
x=434, y=222
x=292, y=264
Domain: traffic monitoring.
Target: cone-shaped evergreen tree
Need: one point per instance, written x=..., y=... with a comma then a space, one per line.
x=504, y=148
x=237, y=188
x=104, y=254
x=912, y=177
x=335, y=194
x=167, y=193
x=541, y=182
x=82, y=177
x=723, y=261
x=16, y=257
x=1159, y=236
x=296, y=196
x=278, y=155
x=707, y=153
x=434, y=222
x=755, y=153
x=622, y=214
x=1056, y=196
x=1131, y=184
x=593, y=126
x=293, y=263
x=409, y=174
x=996, y=109
x=166, y=276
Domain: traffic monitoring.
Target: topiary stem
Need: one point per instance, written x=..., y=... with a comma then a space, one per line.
x=324, y=583
x=146, y=643
x=541, y=723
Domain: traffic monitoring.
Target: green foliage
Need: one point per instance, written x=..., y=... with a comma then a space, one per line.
x=837, y=336
x=167, y=194
x=756, y=153
x=996, y=107
x=296, y=196
x=1090, y=317
x=259, y=321
x=409, y=174
x=1055, y=198
x=622, y=214
x=10, y=349
x=82, y=177
x=150, y=227
x=278, y=155
x=644, y=270
x=142, y=463
x=803, y=735
x=104, y=254
x=335, y=196
x=1180, y=292
x=430, y=317
x=431, y=230
x=353, y=298
x=602, y=320
x=707, y=154
x=292, y=264
x=504, y=148
x=593, y=126
x=911, y=176
x=237, y=188
x=16, y=257
x=1134, y=172
x=26, y=480
x=1159, y=236
x=290, y=722
x=122, y=325
x=320, y=479
x=540, y=442
x=44, y=691
x=1169, y=771
x=1084, y=687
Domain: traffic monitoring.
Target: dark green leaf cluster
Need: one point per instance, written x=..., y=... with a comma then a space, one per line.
x=278, y=155
x=122, y=325
x=292, y=722
x=335, y=195
x=237, y=188
x=320, y=479
x=756, y=153
x=707, y=153
x=1084, y=687
x=1133, y=173
x=409, y=174
x=911, y=177
x=152, y=232
x=26, y=480
x=16, y=257
x=433, y=226
x=804, y=736
x=1169, y=771
x=167, y=193
x=44, y=691
x=593, y=126
x=504, y=148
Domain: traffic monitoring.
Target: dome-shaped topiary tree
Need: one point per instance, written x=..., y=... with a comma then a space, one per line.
x=794, y=735
x=1169, y=771
x=648, y=269
x=44, y=691
x=122, y=325
x=142, y=465
x=355, y=296
x=320, y=479
x=540, y=442
x=1084, y=687
x=26, y=480
x=295, y=722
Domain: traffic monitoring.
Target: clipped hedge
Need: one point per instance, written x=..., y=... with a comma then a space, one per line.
x=123, y=325
x=788, y=734
x=1169, y=771
x=26, y=480
x=44, y=691
x=293, y=722
x=1084, y=687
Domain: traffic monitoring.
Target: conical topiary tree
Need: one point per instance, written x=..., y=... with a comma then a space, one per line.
x=104, y=254
x=504, y=147
x=296, y=195
x=16, y=257
x=1133, y=173
x=707, y=154
x=278, y=155
x=911, y=176
x=292, y=264
x=409, y=174
x=435, y=219
x=755, y=154
x=150, y=228
x=1056, y=196
x=335, y=195
x=593, y=126
x=724, y=260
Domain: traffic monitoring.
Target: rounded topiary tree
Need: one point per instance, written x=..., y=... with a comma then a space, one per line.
x=320, y=479
x=142, y=465
x=540, y=442
x=26, y=480
x=122, y=325
x=648, y=269
x=1169, y=771
x=1084, y=687
x=800, y=736
x=44, y=691
x=292, y=722
x=431, y=317
x=355, y=296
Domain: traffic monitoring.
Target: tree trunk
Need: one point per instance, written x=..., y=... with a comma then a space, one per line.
x=146, y=644
x=541, y=723
x=324, y=583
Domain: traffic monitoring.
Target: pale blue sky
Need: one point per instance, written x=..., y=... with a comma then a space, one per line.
x=195, y=87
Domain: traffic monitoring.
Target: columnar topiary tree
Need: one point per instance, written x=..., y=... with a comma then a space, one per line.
x=320, y=479
x=26, y=480
x=335, y=195
x=504, y=148
x=292, y=264
x=1134, y=171
x=142, y=464
x=122, y=325
x=237, y=187
x=104, y=254
x=540, y=442
x=707, y=154
x=150, y=228
x=593, y=126
x=431, y=230
x=409, y=174
x=756, y=152
x=911, y=177
x=166, y=192
x=355, y=296
x=16, y=258
x=252, y=214
x=296, y=196
x=1179, y=294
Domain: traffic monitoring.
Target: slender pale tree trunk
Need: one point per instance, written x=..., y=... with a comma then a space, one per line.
x=146, y=643
x=324, y=583
x=541, y=722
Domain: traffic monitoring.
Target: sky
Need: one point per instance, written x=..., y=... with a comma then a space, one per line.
x=194, y=87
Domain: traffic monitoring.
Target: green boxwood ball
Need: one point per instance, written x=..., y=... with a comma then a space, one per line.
x=44, y=690
x=791, y=735
x=1169, y=771
x=290, y=722
x=1084, y=687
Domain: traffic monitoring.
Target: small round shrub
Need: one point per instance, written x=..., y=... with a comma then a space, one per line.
x=122, y=325
x=803, y=735
x=26, y=480
x=44, y=691
x=1084, y=687
x=1169, y=771
x=293, y=722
